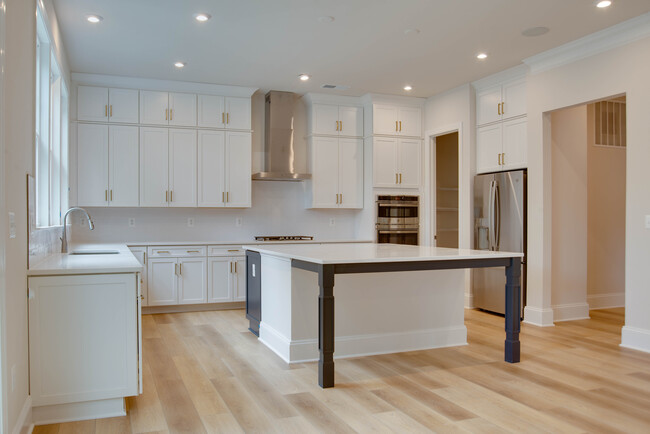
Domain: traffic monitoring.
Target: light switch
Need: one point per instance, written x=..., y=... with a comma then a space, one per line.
x=647, y=222
x=12, y=225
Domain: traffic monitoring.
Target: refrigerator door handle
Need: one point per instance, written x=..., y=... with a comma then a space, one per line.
x=497, y=215
x=491, y=217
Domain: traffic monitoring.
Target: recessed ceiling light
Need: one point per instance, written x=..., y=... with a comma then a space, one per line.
x=408, y=87
x=304, y=77
x=603, y=3
x=202, y=18
x=535, y=31
x=481, y=56
x=179, y=64
x=93, y=18
x=325, y=19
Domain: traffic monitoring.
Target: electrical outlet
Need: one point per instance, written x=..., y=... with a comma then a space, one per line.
x=332, y=221
x=647, y=222
x=13, y=378
x=131, y=222
x=190, y=222
x=238, y=222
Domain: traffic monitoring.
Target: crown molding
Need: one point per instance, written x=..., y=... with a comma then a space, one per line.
x=321, y=98
x=376, y=98
x=514, y=73
x=612, y=37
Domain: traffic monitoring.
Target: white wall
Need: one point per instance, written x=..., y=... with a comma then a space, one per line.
x=569, y=213
x=623, y=70
x=19, y=151
x=445, y=112
x=3, y=334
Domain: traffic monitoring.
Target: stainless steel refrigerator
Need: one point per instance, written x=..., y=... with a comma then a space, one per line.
x=499, y=224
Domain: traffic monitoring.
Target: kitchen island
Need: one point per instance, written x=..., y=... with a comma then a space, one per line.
x=391, y=298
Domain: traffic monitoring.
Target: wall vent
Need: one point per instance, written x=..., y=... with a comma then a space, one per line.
x=334, y=86
x=609, y=123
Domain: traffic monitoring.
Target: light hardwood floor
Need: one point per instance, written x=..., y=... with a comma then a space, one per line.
x=204, y=372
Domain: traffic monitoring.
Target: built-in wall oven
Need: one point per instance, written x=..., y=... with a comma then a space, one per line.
x=398, y=219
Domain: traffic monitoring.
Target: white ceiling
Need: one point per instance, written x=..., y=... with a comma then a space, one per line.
x=267, y=43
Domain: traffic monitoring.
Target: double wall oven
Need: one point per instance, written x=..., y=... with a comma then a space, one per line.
x=398, y=219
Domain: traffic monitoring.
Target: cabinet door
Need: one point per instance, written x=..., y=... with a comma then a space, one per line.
x=211, y=111
x=182, y=109
x=182, y=168
x=384, y=162
x=92, y=165
x=238, y=279
x=238, y=113
x=324, y=172
x=351, y=121
x=154, y=108
x=123, y=106
x=123, y=166
x=219, y=287
x=515, y=144
x=385, y=119
x=154, y=167
x=410, y=161
x=140, y=254
x=192, y=283
x=488, y=148
x=211, y=168
x=351, y=173
x=325, y=118
x=410, y=119
x=514, y=98
x=487, y=105
x=162, y=281
x=92, y=103
x=238, y=169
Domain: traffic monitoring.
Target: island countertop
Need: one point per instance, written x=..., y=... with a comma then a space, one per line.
x=67, y=264
x=358, y=253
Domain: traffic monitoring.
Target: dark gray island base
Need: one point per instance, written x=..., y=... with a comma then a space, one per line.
x=326, y=273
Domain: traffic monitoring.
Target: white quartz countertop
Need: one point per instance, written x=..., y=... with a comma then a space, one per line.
x=66, y=264
x=239, y=243
x=373, y=253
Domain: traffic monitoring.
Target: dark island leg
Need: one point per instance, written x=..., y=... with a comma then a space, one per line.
x=326, y=326
x=513, y=310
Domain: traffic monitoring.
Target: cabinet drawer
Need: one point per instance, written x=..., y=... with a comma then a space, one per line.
x=226, y=251
x=176, y=251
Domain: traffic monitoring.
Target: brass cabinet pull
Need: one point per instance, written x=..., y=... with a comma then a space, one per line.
x=235, y=267
x=400, y=178
x=176, y=269
x=193, y=251
x=400, y=126
x=111, y=195
x=167, y=196
x=223, y=196
x=341, y=198
x=233, y=250
x=499, y=109
x=180, y=269
x=227, y=196
x=171, y=111
x=231, y=267
x=503, y=159
x=163, y=251
x=337, y=198
x=227, y=118
x=166, y=112
x=503, y=108
x=106, y=110
x=337, y=125
x=341, y=125
x=111, y=113
x=106, y=195
x=171, y=195
x=223, y=118
x=396, y=178
x=396, y=124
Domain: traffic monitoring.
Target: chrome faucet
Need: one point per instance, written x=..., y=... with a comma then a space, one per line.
x=64, y=239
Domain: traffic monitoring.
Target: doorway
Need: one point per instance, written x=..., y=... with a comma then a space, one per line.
x=445, y=190
x=588, y=208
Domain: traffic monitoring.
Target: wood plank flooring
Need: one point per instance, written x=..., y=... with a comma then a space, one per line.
x=205, y=373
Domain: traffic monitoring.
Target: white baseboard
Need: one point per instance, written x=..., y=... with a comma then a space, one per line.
x=176, y=308
x=75, y=411
x=24, y=423
x=636, y=339
x=306, y=350
x=542, y=317
x=570, y=312
x=606, y=301
x=469, y=301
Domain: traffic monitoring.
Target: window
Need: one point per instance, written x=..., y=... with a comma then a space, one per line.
x=51, y=165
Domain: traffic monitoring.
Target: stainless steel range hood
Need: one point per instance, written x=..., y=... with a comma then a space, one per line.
x=278, y=139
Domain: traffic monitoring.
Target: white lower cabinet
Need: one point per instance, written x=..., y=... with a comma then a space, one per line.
x=177, y=281
x=84, y=340
x=192, y=285
x=140, y=254
x=162, y=282
x=226, y=279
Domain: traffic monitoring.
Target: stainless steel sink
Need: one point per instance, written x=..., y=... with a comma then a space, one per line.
x=94, y=252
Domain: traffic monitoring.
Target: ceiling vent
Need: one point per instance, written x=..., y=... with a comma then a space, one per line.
x=334, y=86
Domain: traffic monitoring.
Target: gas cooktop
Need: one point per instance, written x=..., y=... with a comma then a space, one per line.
x=283, y=238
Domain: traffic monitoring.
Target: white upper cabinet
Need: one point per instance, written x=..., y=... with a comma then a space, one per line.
x=154, y=108
x=515, y=149
x=397, y=162
x=182, y=109
x=500, y=102
x=92, y=104
x=489, y=147
x=182, y=168
x=123, y=165
x=211, y=168
x=154, y=166
x=238, y=169
x=211, y=112
x=92, y=165
x=393, y=120
x=123, y=106
x=238, y=113
x=350, y=173
x=336, y=120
